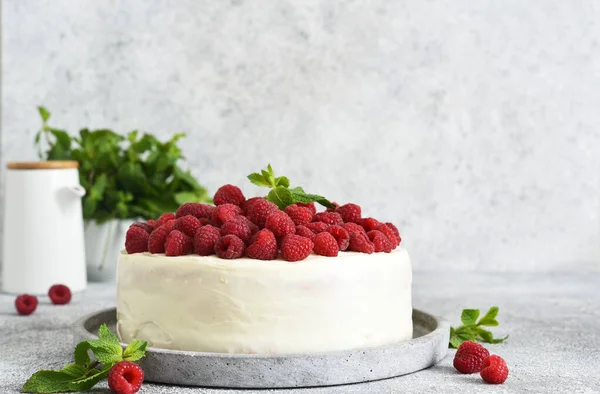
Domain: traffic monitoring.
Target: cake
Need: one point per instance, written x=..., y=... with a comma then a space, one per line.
x=275, y=280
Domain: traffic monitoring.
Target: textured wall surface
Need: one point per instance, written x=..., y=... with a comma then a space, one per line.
x=471, y=124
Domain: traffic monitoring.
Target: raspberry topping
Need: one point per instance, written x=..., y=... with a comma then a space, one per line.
x=144, y=226
x=26, y=304
x=59, y=294
x=470, y=357
x=230, y=247
x=335, y=206
x=187, y=224
x=309, y=205
x=295, y=247
x=326, y=245
x=136, y=240
x=165, y=217
x=317, y=227
x=495, y=370
x=178, y=244
x=328, y=218
x=349, y=212
x=152, y=222
x=225, y=212
x=369, y=224
x=229, y=194
x=260, y=210
x=280, y=224
x=304, y=231
x=125, y=377
x=195, y=209
x=263, y=246
x=156, y=241
x=299, y=215
x=353, y=227
x=380, y=241
x=239, y=226
x=249, y=203
x=205, y=240
x=341, y=236
x=360, y=243
x=389, y=233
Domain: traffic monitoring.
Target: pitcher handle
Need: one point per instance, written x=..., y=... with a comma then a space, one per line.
x=78, y=190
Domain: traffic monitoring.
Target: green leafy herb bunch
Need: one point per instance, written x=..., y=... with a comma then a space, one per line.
x=125, y=176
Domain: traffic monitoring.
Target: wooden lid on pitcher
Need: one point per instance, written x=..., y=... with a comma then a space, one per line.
x=42, y=165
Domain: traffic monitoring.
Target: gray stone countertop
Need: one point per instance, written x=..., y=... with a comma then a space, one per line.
x=553, y=320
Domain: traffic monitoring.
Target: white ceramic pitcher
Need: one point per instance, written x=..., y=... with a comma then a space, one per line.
x=43, y=227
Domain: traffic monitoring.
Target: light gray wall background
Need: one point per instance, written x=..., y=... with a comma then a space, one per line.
x=471, y=124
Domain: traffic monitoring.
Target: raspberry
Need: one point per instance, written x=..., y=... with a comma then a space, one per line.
x=125, y=377
x=205, y=240
x=299, y=215
x=309, y=205
x=295, y=247
x=260, y=211
x=195, y=209
x=59, y=294
x=26, y=304
x=249, y=203
x=230, y=247
x=238, y=226
x=225, y=212
x=187, y=224
x=326, y=245
x=152, y=222
x=178, y=244
x=317, y=227
x=494, y=370
x=391, y=232
x=165, y=217
x=229, y=194
x=144, y=226
x=136, y=240
x=353, y=227
x=280, y=223
x=380, y=241
x=470, y=357
x=360, y=243
x=263, y=246
x=335, y=206
x=369, y=224
x=328, y=218
x=156, y=241
x=349, y=212
x=341, y=236
x=305, y=232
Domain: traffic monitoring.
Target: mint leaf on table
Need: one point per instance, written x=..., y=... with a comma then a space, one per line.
x=85, y=372
x=281, y=194
x=472, y=330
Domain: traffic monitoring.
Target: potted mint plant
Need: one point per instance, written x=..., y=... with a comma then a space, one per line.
x=126, y=178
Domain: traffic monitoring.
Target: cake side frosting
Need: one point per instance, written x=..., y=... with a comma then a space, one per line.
x=244, y=305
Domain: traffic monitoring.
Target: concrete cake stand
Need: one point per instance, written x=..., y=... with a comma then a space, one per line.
x=428, y=346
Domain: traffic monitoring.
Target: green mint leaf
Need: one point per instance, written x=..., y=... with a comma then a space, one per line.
x=270, y=169
x=258, y=180
x=44, y=113
x=300, y=196
x=107, y=353
x=490, y=318
x=469, y=316
x=455, y=341
x=82, y=356
x=499, y=340
x=486, y=336
x=282, y=181
x=280, y=196
x=105, y=335
x=135, y=350
x=269, y=177
x=72, y=378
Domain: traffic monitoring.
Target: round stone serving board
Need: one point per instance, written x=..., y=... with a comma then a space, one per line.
x=428, y=346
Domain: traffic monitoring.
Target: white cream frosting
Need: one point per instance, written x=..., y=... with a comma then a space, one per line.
x=319, y=304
